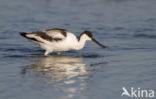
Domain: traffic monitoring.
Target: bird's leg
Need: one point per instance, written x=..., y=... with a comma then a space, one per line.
x=59, y=53
x=46, y=53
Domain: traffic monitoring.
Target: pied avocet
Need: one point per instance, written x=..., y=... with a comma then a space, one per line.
x=59, y=40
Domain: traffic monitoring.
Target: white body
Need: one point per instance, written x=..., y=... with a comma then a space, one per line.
x=68, y=43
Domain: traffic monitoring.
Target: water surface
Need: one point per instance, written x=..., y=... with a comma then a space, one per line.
x=128, y=27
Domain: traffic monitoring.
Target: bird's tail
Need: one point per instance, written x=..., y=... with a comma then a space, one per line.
x=30, y=36
x=23, y=34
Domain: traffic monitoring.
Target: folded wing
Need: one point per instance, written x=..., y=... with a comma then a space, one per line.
x=50, y=35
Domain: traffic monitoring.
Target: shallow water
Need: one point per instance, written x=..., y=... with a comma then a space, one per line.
x=128, y=27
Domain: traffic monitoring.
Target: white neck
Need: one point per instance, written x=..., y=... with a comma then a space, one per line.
x=81, y=42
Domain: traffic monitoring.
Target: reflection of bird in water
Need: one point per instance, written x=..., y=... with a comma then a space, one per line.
x=66, y=74
x=57, y=67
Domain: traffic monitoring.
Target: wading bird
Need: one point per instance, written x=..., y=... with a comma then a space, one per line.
x=58, y=40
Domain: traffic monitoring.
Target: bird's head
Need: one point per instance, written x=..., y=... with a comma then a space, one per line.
x=87, y=35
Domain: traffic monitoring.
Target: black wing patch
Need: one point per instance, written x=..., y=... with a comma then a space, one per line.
x=33, y=39
x=43, y=35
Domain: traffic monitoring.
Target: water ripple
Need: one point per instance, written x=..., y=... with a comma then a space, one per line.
x=145, y=36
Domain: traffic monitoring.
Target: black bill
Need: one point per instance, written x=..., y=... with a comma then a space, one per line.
x=99, y=43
